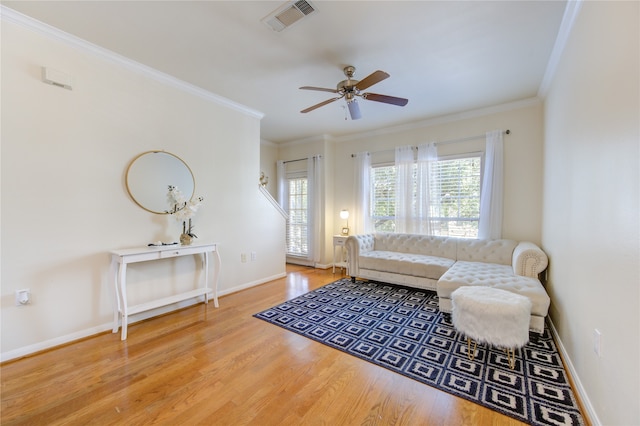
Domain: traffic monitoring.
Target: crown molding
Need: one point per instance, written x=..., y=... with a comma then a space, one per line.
x=310, y=139
x=568, y=19
x=11, y=16
x=268, y=143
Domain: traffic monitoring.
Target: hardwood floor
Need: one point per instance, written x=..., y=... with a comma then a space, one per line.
x=203, y=365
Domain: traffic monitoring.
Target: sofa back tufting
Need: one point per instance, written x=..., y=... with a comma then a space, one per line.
x=487, y=251
x=417, y=244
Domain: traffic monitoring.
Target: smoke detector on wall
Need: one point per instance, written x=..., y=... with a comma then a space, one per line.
x=288, y=14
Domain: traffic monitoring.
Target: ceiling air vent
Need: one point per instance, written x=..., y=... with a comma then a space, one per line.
x=287, y=14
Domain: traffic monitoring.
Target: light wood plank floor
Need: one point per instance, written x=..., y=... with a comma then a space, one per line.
x=203, y=365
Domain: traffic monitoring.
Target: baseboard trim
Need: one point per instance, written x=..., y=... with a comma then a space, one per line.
x=592, y=416
x=251, y=284
x=52, y=343
x=92, y=331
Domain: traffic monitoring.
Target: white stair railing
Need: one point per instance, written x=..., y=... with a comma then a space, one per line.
x=273, y=201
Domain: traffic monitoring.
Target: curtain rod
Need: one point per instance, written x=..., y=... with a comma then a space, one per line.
x=468, y=138
x=302, y=159
x=293, y=161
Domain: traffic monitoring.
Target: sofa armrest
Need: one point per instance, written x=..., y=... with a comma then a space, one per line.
x=355, y=245
x=529, y=260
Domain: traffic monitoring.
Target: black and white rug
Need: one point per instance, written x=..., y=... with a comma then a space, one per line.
x=401, y=329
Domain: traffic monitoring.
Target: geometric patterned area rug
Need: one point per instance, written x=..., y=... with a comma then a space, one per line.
x=401, y=329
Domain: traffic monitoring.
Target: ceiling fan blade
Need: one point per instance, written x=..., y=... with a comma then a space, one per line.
x=385, y=99
x=371, y=79
x=328, y=101
x=354, y=110
x=321, y=89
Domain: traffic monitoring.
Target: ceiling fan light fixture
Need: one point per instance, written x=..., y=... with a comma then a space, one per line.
x=354, y=109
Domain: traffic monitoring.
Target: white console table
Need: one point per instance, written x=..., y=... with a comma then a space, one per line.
x=121, y=258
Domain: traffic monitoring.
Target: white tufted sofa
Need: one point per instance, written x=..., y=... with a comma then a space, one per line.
x=443, y=264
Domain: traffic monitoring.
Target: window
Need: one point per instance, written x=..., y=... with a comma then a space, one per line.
x=383, y=198
x=297, y=224
x=455, y=197
x=454, y=194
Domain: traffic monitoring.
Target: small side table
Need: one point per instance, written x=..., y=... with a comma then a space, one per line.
x=339, y=241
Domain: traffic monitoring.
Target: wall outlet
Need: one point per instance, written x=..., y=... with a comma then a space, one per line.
x=23, y=297
x=597, y=342
x=254, y=256
x=243, y=257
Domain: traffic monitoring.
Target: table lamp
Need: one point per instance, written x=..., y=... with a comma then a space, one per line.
x=344, y=214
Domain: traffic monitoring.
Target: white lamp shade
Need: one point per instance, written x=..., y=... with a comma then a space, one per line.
x=344, y=214
x=354, y=110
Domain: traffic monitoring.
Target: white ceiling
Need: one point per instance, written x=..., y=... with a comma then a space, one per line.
x=444, y=56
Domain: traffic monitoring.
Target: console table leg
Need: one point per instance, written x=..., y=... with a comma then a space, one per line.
x=123, y=300
x=116, y=317
x=205, y=266
x=124, y=327
x=116, y=307
x=216, y=274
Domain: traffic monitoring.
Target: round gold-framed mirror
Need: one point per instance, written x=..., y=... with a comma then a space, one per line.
x=149, y=176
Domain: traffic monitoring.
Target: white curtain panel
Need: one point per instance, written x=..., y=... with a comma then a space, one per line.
x=427, y=156
x=362, y=191
x=315, y=198
x=283, y=190
x=491, y=195
x=404, y=161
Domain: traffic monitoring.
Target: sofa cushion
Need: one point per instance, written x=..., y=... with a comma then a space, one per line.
x=417, y=265
x=496, y=276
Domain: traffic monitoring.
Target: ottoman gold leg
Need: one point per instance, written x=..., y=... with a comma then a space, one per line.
x=471, y=353
x=511, y=357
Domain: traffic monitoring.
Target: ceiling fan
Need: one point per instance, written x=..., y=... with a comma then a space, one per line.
x=350, y=89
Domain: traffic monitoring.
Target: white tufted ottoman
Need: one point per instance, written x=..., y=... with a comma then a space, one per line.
x=489, y=315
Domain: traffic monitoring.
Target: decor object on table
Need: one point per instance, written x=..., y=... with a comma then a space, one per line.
x=344, y=214
x=264, y=180
x=187, y=236
x=183, y=210
x=401, y=329
x=493, y=316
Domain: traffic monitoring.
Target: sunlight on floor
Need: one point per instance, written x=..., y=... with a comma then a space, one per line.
x=297, y=284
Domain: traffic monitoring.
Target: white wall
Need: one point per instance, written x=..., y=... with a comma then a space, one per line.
x=64, y=200
x=591, y=208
